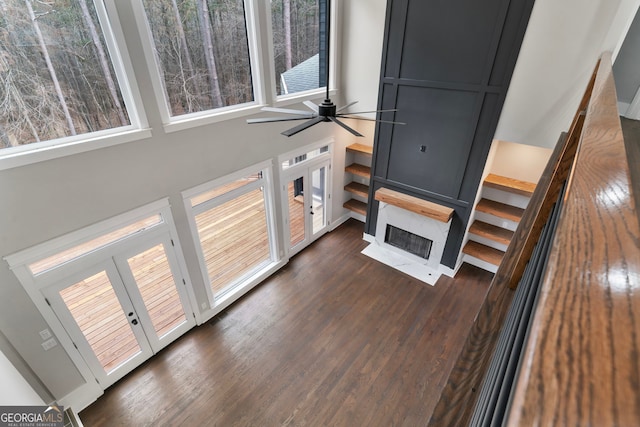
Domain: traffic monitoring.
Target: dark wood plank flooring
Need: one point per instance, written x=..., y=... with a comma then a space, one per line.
x=334, y=338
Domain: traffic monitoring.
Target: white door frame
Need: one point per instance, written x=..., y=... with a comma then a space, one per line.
x=33, y=284
x=60, y=310
x=121, y=262
x=305, y=170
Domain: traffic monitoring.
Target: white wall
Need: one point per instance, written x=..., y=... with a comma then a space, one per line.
x=14, y=389
x=626, y=69
x=518, y=161
x=560, y=49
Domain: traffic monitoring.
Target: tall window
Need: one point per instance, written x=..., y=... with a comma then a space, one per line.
x=233, y=228
x=202, y=52
x=298, y=44
x=56, y=75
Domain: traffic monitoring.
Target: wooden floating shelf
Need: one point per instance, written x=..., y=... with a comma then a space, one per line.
x=491, y=232
x=414, y=204
x=510, y=185
x=501, y=210
x=360, y=170
x=360, y=148
x=358, y=189
x=356, y=206
x=483, y=252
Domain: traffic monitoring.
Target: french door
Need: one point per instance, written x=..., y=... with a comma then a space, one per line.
x=125, y=308
x=307, y=202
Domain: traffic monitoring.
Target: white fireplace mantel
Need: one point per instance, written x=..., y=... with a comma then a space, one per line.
x=420, y=217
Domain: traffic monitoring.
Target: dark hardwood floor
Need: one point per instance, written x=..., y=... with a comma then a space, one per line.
x=333, y=339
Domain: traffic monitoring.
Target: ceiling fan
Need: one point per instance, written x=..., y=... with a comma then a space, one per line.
x=324, y=112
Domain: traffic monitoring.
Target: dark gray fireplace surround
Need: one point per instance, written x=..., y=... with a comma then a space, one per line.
x=446, y=68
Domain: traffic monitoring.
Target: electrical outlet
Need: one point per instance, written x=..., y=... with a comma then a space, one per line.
x=45, y=334
x=49, y=344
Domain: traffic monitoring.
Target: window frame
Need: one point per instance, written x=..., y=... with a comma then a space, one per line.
x=288, y=99
x=138, y=128
x=260, y=42
x=260, y=45
x=246, y=282
x=186, y=121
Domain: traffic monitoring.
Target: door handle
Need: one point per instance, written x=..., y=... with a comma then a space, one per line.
x=134, y=322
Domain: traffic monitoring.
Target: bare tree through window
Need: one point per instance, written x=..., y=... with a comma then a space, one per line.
x=56, y=76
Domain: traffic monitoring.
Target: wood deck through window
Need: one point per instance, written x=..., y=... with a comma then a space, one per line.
x=234, y=240
x=334, y=338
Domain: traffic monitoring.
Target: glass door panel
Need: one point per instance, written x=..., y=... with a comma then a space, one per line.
x=295, y=201
x=94, y=306
x=235, y=239
x=152, y=274
x=307, y=195
x=318, y=199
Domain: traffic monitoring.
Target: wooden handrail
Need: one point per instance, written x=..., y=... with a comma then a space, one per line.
x=545, y=195
x=458, y=398
x=582, y=360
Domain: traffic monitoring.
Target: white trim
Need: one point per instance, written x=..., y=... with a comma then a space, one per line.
x=58, y=244
x=148, y=47
x=368, y=237
x=266, y=182
x=237, y=292
x=259, y=78
x=182, y=266
x=138, y=129
x=305, y=150
x=338, y=222
x=623, y=107
x=36, y=286
x=121, y=61
x=633, y=112
x=209, y=185
x=357, y=216
x=28, y=154
x=82, y=397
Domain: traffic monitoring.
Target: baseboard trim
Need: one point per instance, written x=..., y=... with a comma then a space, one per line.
x=81, y=397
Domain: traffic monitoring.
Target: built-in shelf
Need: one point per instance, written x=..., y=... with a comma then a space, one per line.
x=501, y=210
x=360, y=148
x=510, y=185
x=358, y=169
x=489, y=237
x=359, y=159
x=356, y=206
x=357, y=188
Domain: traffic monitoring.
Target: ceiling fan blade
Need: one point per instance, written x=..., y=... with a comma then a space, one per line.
x=311, y=105
x=303, y=126
x=346, y=106
x=287, y=111
x=344, y=116
x=338, y=122
x=275, y=119
x=373, y=111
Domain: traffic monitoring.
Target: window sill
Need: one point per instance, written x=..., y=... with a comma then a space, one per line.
x=234, y=112
x=88, y=143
